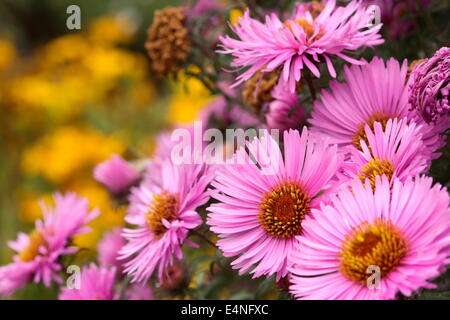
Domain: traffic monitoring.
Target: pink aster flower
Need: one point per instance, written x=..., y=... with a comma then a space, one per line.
x=108, y=249
x=38, y=253
x=261, y=212
x=201, y=7
x=395, y=151
x=137, y=291
x=371, y=93
x=96, y=283
x=162, y=215
x=300, y=42
x=165, y=143
x=116, y=174
x=398, y=234
x=164, y=146
x=207, y=19
x=284, y=111
x=430, y=87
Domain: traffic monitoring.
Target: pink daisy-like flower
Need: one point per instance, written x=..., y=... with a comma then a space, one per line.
x=137, y=291
x=430, y=87
x=284, y=111
x=395, y=151
x=108, y=249
x=372, y=93
x=261, y=211
x=206, y=17
x=38, y=253
x=96, y=283
x=301, y=41
x=165, y=143
x=163, y=214
x=116, y=174
x=374, y=244
x=201, y=7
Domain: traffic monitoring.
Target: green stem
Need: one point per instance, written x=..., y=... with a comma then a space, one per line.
x=311, y=87
x=204, y=238
x=124, y=287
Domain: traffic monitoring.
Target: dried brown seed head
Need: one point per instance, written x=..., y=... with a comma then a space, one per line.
x=257, y=90
x=168, y=43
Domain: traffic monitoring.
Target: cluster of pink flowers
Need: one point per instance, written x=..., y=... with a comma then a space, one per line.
x=345, y=198
x=39, y=253
x=301, y=42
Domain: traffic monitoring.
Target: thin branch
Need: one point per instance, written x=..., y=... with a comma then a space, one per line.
x=311, y=87
x=203, y=237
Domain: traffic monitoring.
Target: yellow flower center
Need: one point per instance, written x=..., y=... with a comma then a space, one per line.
x=258, y=89
x=361, y=132
x=36, y=240
x=163, y=206
x=376, y=167
x=379, y=244
x=315, y=8
x=307, y=27
x=283, y=209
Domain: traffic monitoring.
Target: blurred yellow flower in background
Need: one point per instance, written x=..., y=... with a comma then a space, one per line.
x=74, y=71
x=7, y=58
x=30, y=208
x=189, y=96
x=61, y=99
x=54, y=100
x=63, y=50
x=110, y=216
x=67, y=151
x=108, y=64
x=235, y=14
x=112, y=30
x=66, y=158
x=7, y=54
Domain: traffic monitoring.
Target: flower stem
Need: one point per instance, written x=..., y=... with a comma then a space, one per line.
x=123, y=287
x=203, y=237
x=311, y=87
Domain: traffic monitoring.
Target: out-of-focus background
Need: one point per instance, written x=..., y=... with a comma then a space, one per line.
x=70, y=99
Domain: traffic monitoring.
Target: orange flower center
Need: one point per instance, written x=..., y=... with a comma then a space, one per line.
x=361, y=132
x=307, y=27
x=380, y=244
x=36, y=240
x=163, y=206
x=376, y=167
x=315, y=8
x=283, y=209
